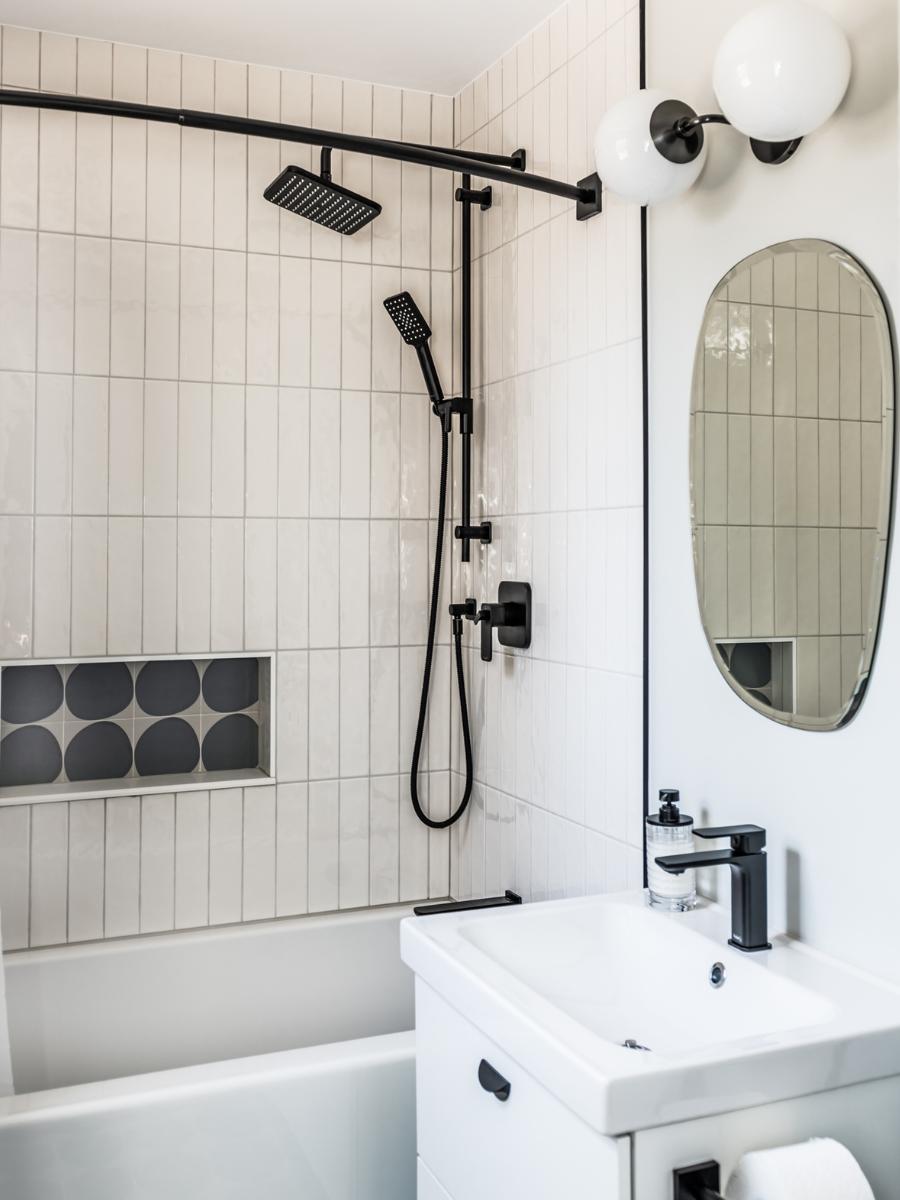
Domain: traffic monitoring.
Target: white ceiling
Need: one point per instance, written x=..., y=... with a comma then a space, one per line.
x=436, y=45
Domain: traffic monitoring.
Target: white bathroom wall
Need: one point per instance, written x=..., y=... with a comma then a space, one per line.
x=210, y=443
x=557, y=805
x=824, y=797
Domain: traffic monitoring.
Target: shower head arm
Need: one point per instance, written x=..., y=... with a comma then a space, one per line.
x=586, y=193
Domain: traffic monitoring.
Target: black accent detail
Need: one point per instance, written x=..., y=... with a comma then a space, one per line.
x=510, y=616
x=30, y=694
x=669, y=813
x=751, y=664
x=99, y=751
x=749, y=886
x=232, y=744
x=484, y=533
x=166, y=688
x=483, y=197
x=447, y=906
x=95, y=691
x=590, y=202
x=231, y=684
x=415, y=331
x=675, y=131
x=492, y=1081
x=502, y=168
x=319, y=199
x=699, y=1182
x=29, y=755
x=167, y=747
x=773, y=154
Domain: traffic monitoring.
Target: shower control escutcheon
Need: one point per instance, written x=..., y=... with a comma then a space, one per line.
x=510, y=616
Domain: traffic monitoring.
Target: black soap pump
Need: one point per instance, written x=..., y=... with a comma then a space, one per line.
x=670, y=831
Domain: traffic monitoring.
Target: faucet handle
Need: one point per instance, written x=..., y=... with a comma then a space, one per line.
x=745, y=839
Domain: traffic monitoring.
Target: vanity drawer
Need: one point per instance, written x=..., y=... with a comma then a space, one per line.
x=480, y=1146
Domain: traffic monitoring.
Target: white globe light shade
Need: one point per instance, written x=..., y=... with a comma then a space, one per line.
x=781, y=71
x=629, y=163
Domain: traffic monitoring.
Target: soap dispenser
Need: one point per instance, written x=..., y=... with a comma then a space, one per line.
x=670, y=831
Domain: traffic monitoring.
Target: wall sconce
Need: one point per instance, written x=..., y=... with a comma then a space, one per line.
x=779, y=74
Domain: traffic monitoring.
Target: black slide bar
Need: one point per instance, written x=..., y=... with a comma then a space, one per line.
x=448, y=160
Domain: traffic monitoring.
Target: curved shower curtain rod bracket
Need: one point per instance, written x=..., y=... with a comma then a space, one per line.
x=502, y=168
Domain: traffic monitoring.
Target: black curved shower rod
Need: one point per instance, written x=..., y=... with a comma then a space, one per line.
x=501, y=168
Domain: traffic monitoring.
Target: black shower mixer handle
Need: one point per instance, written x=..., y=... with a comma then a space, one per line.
x=510, y=616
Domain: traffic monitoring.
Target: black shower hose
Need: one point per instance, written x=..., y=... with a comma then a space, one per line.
x=426, y=674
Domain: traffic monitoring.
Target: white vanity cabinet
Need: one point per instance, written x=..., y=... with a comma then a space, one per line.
x=474, y=1146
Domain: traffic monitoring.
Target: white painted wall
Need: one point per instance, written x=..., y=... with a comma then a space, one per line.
x=827, y=799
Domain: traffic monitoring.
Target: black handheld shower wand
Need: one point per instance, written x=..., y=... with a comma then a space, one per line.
x=413, y=327
x=414, y=330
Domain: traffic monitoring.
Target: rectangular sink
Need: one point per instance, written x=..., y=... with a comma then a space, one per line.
x=622, y=1011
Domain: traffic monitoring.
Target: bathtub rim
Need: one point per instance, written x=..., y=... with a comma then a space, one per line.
x=158, y=1087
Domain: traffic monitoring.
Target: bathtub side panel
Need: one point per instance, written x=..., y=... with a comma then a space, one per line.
x=340, y=1128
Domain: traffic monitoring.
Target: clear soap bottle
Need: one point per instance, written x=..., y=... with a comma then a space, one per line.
x=670, y=831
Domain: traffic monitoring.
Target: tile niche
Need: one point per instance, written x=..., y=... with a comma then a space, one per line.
x=80, y=727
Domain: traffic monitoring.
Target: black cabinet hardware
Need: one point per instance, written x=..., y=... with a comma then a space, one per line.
x=699, y=1182
x=446, y=906
x=492, y=1081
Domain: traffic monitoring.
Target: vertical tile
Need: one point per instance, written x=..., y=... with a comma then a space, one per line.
x=226, y=854
x=354, y=583
x=227, y=450
x=87, y=832
x=90, y=441
x=193, y=580
x=226, y=583
x=121, y=902
x=262, y=318
x=259, y=853
x=160, y=435
x=293, y=584
x=384, y=698
x=293, y=452
x=260, y=573
x=19, y=165
x=127, y=298
x=126, y=445
x=192, y=853
x=384, y=849
x=17, y=438
x=53, y=445
x=354, y=712
x=294, y=306
x=196, y=330
x=324, y=454
x=56, y=294
x=125, y=586
x=324, y=714
x=49, y=853
x=18, y=299
x=163, y=274
x=89, y=586
x=325, y=353
x=291, y=849
x=16, y=566
x=353, y=853
x=292, y=713
x=92, y=299
x=261, y=452
x=229, y=316
x=52, y=575
x=324, y=846
x=157, y=863
x=160, y=586
x=15, y=870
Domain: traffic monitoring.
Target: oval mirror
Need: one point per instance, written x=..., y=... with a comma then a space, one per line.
x=792, y=446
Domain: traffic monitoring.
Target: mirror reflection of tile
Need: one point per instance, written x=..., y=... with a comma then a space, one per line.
x=117, y=720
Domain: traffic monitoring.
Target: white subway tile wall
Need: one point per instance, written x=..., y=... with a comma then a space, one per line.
x=210, y=441
x=556, y=809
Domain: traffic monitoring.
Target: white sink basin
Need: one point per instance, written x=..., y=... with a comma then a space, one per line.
x=564, y=986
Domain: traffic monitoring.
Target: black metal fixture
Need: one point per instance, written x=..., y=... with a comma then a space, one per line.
x=503, y=168
x=510, y=616
x=677, y=133
x=507, y=900
x=748, y=862
x=699, y=1182
x=492, y=1081
x=414, y=330
x=320, y=199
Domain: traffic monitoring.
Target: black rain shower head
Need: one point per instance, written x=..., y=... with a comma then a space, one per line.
x=414, y=330
x=319, y=199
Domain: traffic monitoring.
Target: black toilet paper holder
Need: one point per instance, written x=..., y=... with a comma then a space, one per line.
x=698, y=1182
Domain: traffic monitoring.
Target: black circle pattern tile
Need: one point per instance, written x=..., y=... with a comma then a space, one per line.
x=29, y=755
x=30, y=694
x=95, y=691
x=99, y=751
x=230, y=684
x=231, y=744
x=167, y=747
x=166, y=688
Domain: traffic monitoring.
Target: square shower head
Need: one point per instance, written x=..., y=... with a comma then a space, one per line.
x=321, y=201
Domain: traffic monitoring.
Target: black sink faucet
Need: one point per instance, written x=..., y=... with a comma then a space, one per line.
x=747, y=859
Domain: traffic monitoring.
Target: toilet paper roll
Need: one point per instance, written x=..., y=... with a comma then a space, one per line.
x=821, y=1169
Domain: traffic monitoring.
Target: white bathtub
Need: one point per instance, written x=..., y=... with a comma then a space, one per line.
x=263, y=1062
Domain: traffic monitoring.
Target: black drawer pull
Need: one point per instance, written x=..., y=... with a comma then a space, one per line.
x=492, y=1081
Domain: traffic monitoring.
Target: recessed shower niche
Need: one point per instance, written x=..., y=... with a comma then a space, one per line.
x=75, y=729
